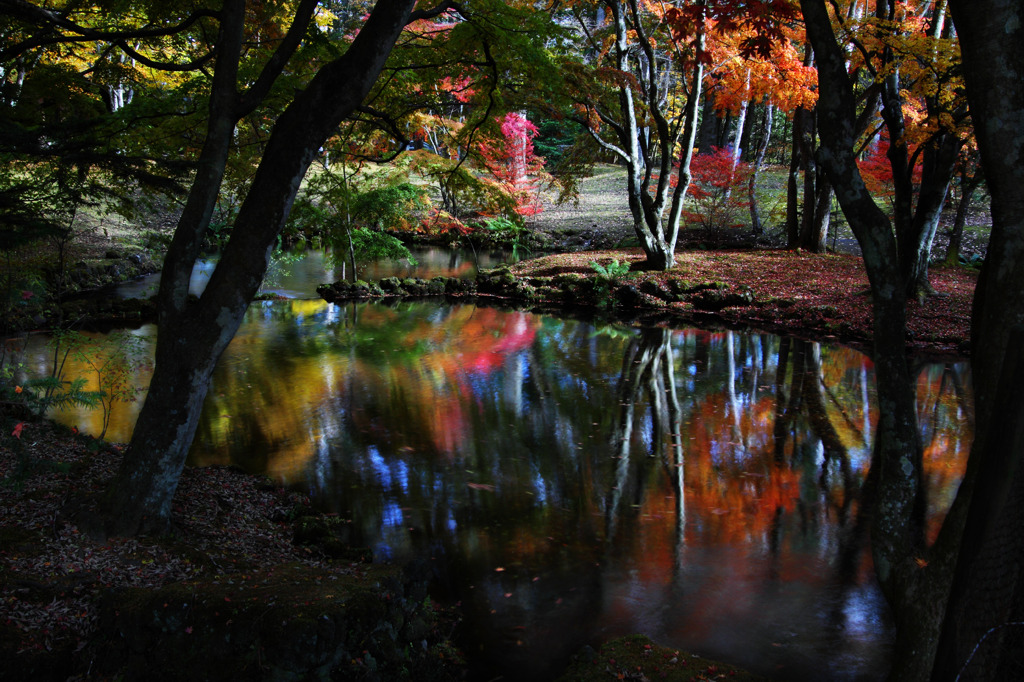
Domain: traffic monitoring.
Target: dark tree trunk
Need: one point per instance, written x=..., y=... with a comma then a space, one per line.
x=822, y=213
x=968, y=186
x=709, y=124
x=792, y=185
x=916, y=247
x=809, y=169
x=800, y=205
x=915, y=225
x=192, y=336
x=802, y=147
x=756, y=226
x=898, y=540
x=983, y=635
x=987, y=590
x=817, y=196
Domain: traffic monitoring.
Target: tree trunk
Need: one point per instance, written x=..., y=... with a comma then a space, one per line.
x=192, y=335
x=968, y=186
x=983, y=635
x=792, y=186
x=915, y=225
x=709, y=123
x=741, y=126
x=657, y=209
x=916, y=245
x=822, y=213
x=986, y=595
x=802, y=121
x=817, y=197
x=756, y=226
x=897, y=527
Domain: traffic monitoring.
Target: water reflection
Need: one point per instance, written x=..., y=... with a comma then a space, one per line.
x=571, y=483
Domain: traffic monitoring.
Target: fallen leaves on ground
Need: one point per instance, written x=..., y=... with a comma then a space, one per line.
x=226, y=525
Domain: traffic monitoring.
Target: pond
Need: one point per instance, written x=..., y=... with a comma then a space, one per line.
x=569, y=483
x=297, y=274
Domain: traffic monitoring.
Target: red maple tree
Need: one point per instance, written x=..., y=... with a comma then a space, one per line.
x=514, y=165
x=718, y=196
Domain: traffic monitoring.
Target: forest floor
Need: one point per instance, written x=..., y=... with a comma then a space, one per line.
x=228, y=527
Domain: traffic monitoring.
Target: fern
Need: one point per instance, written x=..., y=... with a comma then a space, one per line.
x=611, y=272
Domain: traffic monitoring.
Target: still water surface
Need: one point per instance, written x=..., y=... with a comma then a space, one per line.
x=569, y=483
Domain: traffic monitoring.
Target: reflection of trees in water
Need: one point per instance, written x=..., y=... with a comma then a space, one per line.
x=772, y=439
x=648, y=371
x=729, y=407
x=457, y=432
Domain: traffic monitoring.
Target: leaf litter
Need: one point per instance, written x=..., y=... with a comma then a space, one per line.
x=226, y=526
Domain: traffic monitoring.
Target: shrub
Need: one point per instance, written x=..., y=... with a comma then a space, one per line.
x=718, y=191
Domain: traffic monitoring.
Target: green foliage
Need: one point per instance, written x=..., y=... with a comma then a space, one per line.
x=612, y=272
x=608, y=277
x=463, y=193
x=334, y=201
x=112, y=363
x=555, y=138
x=507, y=232
x=218, y=232
x=29, y=396
x=371, y=245
x=351, y=214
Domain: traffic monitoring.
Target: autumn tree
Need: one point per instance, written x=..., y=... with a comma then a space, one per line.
x=636, y=95
x=636, y=91
x=904, y=63
x=969, y=180
x=780, y=80
x=916, y=577
x=68, y=141
x=511, y=161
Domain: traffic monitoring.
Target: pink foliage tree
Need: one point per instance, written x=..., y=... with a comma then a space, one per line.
x=513, y=164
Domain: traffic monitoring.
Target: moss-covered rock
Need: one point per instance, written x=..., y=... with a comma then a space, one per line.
x=717, y=299
x=390, y=285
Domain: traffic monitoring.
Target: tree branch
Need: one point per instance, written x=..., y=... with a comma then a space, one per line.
x=275, y=65
x=50, y=21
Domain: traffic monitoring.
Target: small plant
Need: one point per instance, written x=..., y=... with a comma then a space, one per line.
x=611, y=272
x=27, y=396
x=114, y=365
x=608, y=277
